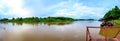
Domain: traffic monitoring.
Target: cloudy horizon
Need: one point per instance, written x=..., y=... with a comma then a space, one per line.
x=77, y=9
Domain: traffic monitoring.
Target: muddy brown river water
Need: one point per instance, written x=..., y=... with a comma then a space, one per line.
x=75, y=31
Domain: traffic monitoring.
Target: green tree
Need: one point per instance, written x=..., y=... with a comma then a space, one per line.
x=13, y=18
x=4, y=19
x=112, y=14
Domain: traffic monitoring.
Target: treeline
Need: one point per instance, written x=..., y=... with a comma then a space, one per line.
x=85, y=19
x=112, y=14
x=36, y=19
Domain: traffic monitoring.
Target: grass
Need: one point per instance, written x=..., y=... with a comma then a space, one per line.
x=116, y=22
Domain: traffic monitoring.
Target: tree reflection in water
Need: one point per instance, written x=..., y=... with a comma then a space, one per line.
x=36, y=23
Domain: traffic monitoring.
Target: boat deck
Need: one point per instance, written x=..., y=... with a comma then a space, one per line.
x=105, y=31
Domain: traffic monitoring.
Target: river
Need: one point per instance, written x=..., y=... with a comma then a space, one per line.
x=75, y=31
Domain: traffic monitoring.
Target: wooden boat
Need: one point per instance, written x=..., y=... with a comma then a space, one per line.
x=109, y=33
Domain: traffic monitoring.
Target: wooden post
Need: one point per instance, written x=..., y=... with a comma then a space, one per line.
x=86, y=33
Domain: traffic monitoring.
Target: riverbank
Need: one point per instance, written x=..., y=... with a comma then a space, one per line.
x=116, y=22
x=36, y=19
x=45, y=20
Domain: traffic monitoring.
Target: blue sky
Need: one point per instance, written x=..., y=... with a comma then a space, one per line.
x=68, y=8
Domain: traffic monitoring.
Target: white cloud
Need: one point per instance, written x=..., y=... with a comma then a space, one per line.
x=14, y=8
x=77, y=10
x=65, y=8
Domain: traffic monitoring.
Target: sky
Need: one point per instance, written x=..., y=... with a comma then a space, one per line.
x=77, y=9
